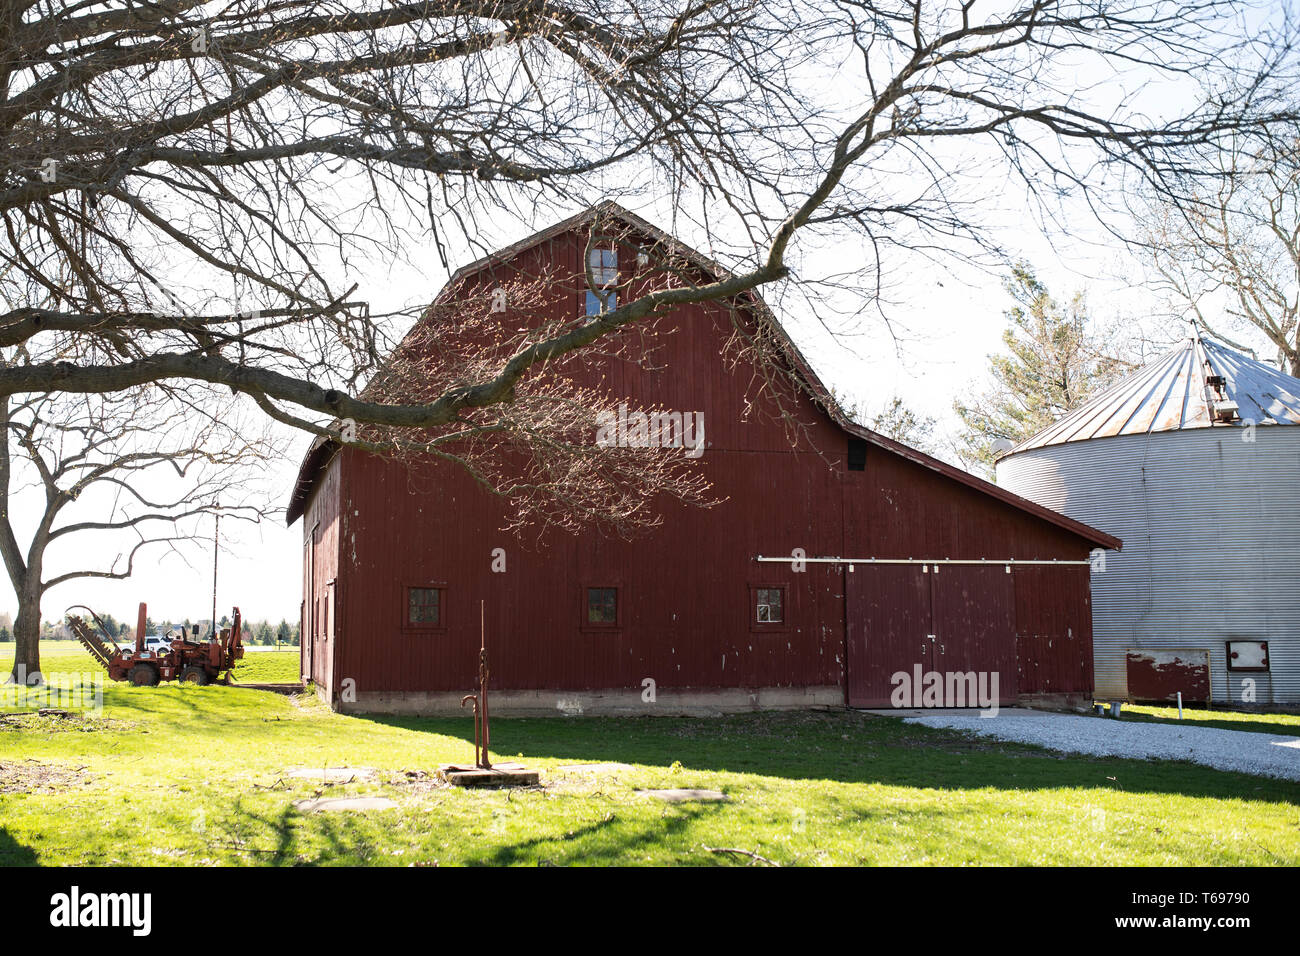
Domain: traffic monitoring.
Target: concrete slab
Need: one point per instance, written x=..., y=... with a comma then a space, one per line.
x=501, y=775
x=687, y=796
x=331, y=774
x=344, y=803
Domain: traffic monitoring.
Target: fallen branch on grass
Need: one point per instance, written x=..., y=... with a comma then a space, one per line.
x=749, y=853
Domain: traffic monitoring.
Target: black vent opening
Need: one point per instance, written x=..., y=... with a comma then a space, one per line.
x=857, y=454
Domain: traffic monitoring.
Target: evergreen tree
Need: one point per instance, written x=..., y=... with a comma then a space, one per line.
x=1055, y=360
x=900, y=423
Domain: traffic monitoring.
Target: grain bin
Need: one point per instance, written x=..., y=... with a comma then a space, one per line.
x=1194, y=461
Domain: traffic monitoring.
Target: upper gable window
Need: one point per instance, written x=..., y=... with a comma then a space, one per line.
x=857, y=454
x=603, y=266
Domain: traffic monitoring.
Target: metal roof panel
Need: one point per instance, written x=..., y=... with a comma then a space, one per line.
x=1172, y=394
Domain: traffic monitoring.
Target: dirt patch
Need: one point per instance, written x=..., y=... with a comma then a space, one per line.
x=417, y=782
x=48, y=722
x=31, y=776
x=331, y=774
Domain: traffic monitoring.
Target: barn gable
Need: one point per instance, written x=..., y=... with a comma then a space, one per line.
x=818, y=395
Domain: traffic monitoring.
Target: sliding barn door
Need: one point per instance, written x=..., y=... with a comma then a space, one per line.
x=957, y=621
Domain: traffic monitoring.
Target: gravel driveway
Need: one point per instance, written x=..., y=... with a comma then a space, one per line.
x=1267, y=755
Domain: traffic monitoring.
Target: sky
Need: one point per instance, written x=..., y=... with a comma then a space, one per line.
x=949, y=319
x=954, y=319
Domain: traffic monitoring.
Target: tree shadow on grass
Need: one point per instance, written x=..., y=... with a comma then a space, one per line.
x=845, y=747
x=13, y=853
x=273, y=838
x=286, y=837
x=604, y=842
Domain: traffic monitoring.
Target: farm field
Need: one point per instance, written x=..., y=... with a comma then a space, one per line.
x=201, y=776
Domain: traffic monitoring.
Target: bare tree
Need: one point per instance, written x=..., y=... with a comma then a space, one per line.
x=162, y=155
x=541, y=451
x=899, y=422
x=1230, y=257
x=131, y=469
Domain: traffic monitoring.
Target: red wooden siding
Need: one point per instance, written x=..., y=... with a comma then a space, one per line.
x=321, y=553
x=685, y=590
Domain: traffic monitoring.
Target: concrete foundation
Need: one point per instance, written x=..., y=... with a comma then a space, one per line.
x=619, y=702
x=1067, y=703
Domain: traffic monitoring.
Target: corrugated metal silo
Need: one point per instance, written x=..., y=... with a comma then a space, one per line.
x=1194, y=461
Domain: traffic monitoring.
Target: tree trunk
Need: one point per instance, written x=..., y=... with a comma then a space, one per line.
x=27, y=641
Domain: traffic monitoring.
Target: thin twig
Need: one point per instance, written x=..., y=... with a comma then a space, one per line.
x=749, y=853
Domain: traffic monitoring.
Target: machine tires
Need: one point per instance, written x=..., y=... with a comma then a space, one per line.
x=142, y=675
x=194, y=675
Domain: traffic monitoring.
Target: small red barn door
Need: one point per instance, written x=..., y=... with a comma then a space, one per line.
x=306, y=628
x=888, y=616
x=326, y=646
x=974, y=624
x=960, y=620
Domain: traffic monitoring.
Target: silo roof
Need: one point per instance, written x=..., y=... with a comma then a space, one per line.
x=1192, y=386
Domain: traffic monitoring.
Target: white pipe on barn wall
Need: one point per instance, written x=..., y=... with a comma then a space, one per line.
x=788, y=559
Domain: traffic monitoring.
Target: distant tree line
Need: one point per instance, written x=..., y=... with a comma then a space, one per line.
x=262, y=632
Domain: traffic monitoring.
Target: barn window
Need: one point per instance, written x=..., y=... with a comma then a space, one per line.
x=602, y=607
x=424, y=607
x=857, y=454
x=603, y=265
x=769, y=607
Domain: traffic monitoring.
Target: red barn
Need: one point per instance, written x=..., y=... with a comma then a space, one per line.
x=913, y=566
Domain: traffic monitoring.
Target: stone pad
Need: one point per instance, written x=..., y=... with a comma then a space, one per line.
x=501, y=775
x=344, y=803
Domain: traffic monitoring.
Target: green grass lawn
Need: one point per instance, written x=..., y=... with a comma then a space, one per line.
x=269, y=667
x=197, y=776
x=1286, y=724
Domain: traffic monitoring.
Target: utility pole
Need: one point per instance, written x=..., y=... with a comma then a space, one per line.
x=216, y=543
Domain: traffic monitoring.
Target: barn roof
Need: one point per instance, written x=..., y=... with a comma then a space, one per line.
x=1199, y=384
x=322, y=450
